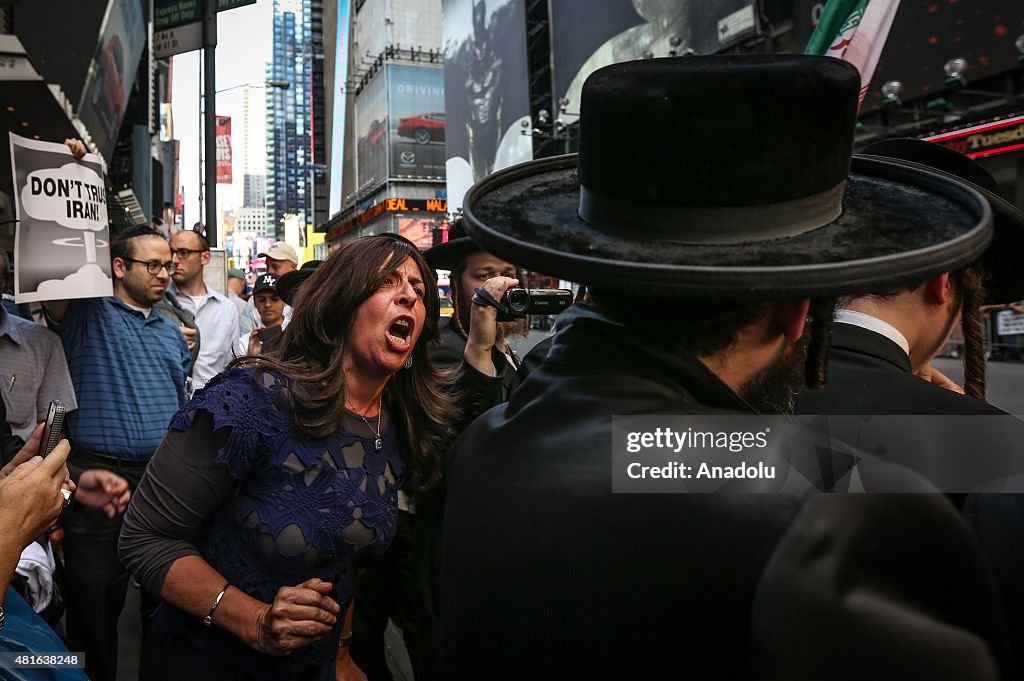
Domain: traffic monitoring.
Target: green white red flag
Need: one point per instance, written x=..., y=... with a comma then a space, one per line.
x=854, y=31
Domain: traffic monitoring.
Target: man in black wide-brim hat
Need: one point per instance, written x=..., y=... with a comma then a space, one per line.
x=712, y=200
x=884, y=337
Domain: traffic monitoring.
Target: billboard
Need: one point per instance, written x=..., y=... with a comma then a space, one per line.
x=112, y=73
x=338, y=124
x=487, y=97
x=419, y=230
x=416, y=124
x=988, y=139
x=926, y=34
x=371, y=114
x=223, y=149
x=586, y=36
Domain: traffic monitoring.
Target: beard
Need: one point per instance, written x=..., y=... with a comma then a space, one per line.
x=141, y=293
x=773, y=389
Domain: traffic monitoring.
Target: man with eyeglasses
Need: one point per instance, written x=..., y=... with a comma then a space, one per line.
x=128, y=365
x=216, y=316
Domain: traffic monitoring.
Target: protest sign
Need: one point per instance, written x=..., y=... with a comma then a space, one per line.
x=1009, y=323
x=61, y=246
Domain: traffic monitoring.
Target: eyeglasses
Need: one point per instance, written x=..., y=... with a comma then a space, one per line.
x=154, y=267
x=186, y=253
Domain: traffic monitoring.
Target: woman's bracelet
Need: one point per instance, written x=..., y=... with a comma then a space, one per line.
x=208, y=620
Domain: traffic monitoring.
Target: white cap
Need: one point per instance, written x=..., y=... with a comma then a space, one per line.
x=279, y=250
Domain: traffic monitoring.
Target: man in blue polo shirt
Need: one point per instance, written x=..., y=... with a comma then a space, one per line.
x=128, y=365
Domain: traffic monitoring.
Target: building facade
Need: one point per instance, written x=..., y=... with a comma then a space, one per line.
x=289, y=188
x=389, y=92
x=252, y=148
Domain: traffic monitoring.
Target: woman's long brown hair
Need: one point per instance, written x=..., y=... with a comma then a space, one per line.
x=311, y=349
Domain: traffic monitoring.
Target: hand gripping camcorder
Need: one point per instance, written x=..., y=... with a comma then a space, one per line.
x=519, y=302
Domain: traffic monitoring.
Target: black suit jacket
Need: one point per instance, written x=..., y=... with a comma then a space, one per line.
x=447, y=353
x=869, y=374
x=547, y=574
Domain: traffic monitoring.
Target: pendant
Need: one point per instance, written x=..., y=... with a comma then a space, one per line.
x=378, y=444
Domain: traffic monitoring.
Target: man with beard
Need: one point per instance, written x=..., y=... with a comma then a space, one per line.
x=705, y=257
x=471, y=267
x=128, y=366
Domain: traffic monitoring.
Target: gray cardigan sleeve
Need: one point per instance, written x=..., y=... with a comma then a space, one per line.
x=182, y=486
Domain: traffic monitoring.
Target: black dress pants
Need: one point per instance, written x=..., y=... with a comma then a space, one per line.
x=96, y=582
x=387, y=589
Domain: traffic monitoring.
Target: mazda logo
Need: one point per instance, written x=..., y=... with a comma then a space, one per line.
x=408, y=157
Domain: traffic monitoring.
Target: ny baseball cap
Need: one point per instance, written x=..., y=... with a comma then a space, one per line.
x=279, y=250
x=265, y=282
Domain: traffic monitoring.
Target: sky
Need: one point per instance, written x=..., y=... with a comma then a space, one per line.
x=244, y=37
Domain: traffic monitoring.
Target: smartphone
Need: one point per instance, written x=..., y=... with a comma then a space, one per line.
x=270, y=334
x=53, y=428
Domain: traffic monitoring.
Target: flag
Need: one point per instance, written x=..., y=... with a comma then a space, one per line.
x=849, y=27
x=854, y=31
x=833, y=17
x=866, y=46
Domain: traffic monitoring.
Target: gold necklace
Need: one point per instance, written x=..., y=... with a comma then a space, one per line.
x=378, y=443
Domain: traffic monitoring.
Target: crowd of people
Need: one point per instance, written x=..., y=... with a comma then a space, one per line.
x=285, y=474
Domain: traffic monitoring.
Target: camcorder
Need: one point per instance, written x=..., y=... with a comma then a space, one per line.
x=519, y=302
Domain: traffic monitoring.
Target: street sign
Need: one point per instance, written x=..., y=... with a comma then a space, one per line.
x=178, y=27
x=172, y=41
x=174, y=13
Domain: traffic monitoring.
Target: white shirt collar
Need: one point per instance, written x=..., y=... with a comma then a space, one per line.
x=866, y=321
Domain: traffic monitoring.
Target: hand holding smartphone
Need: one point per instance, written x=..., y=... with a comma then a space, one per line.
x=270, y=334
x=53, y=428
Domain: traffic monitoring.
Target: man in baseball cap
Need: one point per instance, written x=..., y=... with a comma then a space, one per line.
x=270, y=307
x=281, y=258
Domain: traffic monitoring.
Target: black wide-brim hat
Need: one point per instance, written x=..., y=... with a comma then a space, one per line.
x=289, y=283
x=448, y=255
x=1004, y=258
x=728, y=178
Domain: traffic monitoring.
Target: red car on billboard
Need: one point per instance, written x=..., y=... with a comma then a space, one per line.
x=424, y=127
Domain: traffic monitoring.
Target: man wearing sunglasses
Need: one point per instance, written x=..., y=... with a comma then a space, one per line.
x=128, y=365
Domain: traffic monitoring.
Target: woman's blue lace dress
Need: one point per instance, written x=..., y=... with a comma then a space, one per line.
x=303, y=508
